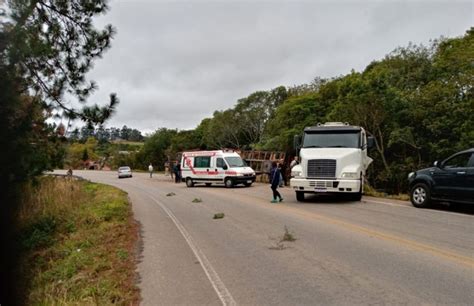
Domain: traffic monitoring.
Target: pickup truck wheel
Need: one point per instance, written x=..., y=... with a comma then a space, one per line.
x=299, y=196
x=420, y=195
x=229, y=183
x=189, y=182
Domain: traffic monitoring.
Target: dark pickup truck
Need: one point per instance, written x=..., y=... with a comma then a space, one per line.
x=451, y=180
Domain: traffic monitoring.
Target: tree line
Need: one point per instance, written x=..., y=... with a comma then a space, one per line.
x=103, y=134
x=417, y=102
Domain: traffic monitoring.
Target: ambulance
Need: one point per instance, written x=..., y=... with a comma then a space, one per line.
x=215, y=167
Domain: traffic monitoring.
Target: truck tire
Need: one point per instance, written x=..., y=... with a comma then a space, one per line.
x=420, y=195
x=229, y=183
x=189, y=182
x=208, y=184
x=247, y=184
x=356, y=196
x=299, y=196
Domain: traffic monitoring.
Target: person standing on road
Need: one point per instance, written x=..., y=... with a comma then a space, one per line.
x=275, y=182
x=177, y=172
x=150, y=169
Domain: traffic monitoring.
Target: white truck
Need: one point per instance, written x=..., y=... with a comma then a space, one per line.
x=215, y=167
x=333, y=159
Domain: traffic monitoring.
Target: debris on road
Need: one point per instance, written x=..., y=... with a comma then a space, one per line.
x=288, y=236
x=279, y=242
x=170, y=194
x=197, y=200
x=218, y=216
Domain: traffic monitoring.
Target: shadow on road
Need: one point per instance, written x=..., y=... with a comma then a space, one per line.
x=458, y=208
x=328, y=199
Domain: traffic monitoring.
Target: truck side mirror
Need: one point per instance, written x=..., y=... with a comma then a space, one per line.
x=297, y=142
x=224, y=167
x=438, y=164
x=370, y=142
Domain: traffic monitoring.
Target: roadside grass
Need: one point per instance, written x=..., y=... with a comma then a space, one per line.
x=78, y=242
x=369, y=191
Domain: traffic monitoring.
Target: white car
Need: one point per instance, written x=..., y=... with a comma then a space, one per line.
x=124, y=172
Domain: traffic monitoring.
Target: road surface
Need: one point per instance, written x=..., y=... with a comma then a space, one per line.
x=345, y=253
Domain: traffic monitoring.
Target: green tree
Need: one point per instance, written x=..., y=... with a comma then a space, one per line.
x=156, y=148
x=85, y=155
x=46, y=49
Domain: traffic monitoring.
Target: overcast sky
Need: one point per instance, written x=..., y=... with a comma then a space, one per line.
x=173, y=63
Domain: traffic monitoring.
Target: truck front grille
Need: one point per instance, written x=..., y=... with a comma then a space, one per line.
x=323, y=184
x=322, y=168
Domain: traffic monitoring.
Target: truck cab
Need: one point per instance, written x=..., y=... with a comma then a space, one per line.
x=333, y=159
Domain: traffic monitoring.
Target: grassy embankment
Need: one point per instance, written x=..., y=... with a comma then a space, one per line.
x=369, y=191
x=78, y=243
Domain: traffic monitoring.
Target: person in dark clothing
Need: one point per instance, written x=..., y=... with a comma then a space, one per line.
x=275, y=182
x=177, y=172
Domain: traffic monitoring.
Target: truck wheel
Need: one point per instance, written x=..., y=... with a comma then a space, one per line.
x=189, y=182
x=356, y=196
x=208, y=184
x=229, y=183
x=299, y=196
x=420, y=195
x=247, y=184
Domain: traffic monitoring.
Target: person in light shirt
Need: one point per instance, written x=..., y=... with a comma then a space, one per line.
x=150, y=169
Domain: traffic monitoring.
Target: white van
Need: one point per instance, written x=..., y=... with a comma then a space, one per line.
x=215, y=167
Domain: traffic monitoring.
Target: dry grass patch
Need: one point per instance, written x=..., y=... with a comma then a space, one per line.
x=78, y=243
x=369, y=191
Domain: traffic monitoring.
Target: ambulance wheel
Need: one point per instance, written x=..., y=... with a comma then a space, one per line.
x=229, y=183
x=189, y=182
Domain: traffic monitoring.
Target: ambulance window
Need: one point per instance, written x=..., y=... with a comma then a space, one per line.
x=202, y=162
x=220, y=163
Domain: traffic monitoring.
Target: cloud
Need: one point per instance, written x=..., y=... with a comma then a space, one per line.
x=174, y=63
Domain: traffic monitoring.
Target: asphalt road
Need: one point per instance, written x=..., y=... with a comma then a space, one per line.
x=346, y=253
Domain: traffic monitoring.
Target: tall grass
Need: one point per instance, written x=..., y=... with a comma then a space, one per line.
x=49, y=196
x=78, y=242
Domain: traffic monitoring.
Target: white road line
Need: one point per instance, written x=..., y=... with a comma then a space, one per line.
x=221, y=290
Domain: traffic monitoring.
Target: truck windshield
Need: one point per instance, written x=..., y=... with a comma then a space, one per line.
x=235, y=161
x=332, y=140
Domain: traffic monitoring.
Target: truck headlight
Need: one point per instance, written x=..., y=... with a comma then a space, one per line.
x=296, y=173
x=411, y=174
x=350, y=175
